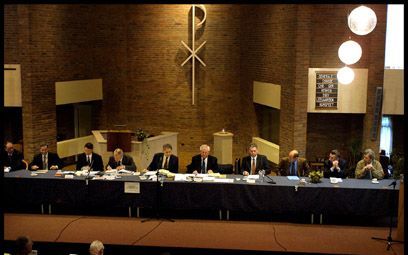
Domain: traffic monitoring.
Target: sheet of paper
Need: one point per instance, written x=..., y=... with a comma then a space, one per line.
x=253, y=176
x=293, y=178
x=335, y=180
x=224, y=180
x=149, y=173
x=208, y=178
x=180, y=177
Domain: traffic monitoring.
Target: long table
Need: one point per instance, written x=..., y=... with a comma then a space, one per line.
x=350, y=197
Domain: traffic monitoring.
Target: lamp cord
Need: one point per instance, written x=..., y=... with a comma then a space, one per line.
x=66, y=226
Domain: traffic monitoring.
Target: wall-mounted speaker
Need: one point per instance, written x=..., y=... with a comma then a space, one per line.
x=377, y=112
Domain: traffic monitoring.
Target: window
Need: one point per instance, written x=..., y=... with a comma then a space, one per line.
x=394, y=39
x=386, y=135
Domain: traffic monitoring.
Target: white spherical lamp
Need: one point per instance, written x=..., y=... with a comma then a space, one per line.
x=345, y=75
x=362, y=20
x=350, y=52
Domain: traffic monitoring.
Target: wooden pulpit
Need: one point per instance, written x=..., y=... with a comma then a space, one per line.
x=119, y=139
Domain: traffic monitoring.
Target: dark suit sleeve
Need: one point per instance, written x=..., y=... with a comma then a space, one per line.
x=265, y=165
x=36, y=161
x=214, y=165
x=282, y=167
x=111, y=163
x=154, y=163
x=97, y=164
x=174, y=165
x=56, y=161
x=129, y=164
x=326, y=170
x=79, y=163
x=244, y=165
x=193, y=165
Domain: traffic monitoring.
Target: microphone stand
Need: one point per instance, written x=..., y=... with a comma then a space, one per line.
x=159, y=191
x=389, y=238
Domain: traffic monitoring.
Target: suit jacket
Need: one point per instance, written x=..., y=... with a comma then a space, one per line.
x=376, y=172
x=15, y=161
x=261, y=164
x=302, y=167
x=53, y=159
x=336, y=173
x=96, y=162
x=196, y=164
x=157, y=163
x=127, y=161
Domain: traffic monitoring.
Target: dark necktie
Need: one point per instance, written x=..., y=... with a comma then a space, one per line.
x=292, y=168
x=88, y=159
x=166, y=163
x=203, y=166
x=253, y=166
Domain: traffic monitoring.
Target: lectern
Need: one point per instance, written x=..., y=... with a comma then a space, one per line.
x=119, y=139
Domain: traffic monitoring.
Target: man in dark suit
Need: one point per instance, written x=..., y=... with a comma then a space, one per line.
x=120, y=161
x=11, y=157
x=89, y=159
x=165, y=160
x=334, y=166
x=254, y=162
x=45, y=160
x=293, y=165
x=203, y=162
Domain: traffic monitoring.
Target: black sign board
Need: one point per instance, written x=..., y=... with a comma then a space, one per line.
x=326, y=90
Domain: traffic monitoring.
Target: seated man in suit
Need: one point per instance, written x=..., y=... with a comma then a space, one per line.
x=334, y=166
x=89, y=160
x=293, y=165
x=368, y=167
x=254, y=162
x=165, y=160
x=120, y=161
x=203, y=162
x=11, y=157
x=45, y=160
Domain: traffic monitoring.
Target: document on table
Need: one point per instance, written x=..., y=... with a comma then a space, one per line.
x=224, y=180
x=253, y=176
x=293, y=178
x=335, y=180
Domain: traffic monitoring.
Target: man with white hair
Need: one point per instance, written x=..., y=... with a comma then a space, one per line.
x=120, y=161
x=203, y=163
x=96, y=248
x=368, y=167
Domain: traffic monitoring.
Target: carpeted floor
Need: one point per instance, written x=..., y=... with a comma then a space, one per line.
x=202, y=234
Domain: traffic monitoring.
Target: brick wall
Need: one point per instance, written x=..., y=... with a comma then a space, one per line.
x=136, y=50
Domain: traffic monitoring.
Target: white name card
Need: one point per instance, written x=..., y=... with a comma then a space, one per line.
x=132, y=187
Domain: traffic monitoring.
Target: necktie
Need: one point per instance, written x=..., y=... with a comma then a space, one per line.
x=88, y=159
x=45, y=162
x=253, y=166
x=203, y=166
x=166, y=162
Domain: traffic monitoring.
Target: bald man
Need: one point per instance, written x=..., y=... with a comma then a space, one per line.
x=293, y=165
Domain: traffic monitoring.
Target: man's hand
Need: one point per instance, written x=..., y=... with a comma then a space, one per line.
x=195, y=172
x=120, y=167
x=210, y=171
x=245, y=173
x=54, y=167
x=34, y=167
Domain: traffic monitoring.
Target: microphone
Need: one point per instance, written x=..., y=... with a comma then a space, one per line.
x=393, y=183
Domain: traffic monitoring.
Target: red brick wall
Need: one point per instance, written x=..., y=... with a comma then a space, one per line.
x=136, y=50
x=329, y=31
